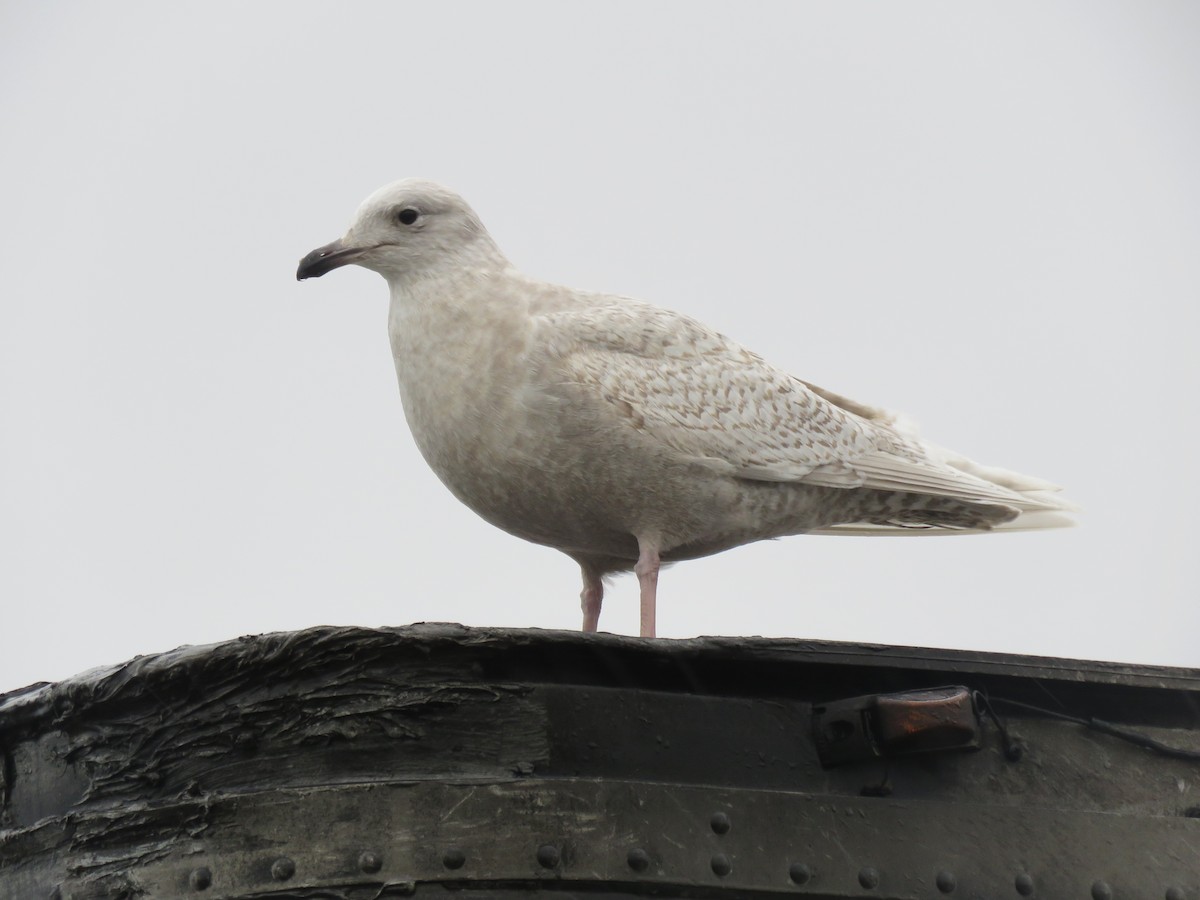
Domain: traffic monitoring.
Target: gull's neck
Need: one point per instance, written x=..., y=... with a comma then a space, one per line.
x=451, y=281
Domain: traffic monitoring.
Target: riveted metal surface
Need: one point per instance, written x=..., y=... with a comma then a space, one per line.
x=597, y=832
x=946, y=882
x=358, y=763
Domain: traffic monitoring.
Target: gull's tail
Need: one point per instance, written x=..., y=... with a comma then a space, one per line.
x=1006, y=501
x=953, y=486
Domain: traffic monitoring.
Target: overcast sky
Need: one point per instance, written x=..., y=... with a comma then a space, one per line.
x=984, y=215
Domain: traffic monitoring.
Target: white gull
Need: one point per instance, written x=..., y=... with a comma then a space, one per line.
x=629, y=436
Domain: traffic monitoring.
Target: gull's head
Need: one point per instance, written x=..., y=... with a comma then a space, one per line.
x=404, y=231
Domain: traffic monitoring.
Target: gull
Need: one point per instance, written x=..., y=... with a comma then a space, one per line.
x=629, y=436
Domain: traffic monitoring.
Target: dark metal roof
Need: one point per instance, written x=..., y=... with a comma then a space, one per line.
x=505, y=762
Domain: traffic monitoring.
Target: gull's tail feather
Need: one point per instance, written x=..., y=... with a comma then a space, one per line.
x=1028, y=485
x=1004, y=500
x=1031, y=521
x=1032, y=510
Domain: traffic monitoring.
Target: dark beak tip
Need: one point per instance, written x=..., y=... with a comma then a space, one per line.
x=321, y=260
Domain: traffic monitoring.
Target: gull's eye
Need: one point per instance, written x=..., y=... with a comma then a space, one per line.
x=408, y=215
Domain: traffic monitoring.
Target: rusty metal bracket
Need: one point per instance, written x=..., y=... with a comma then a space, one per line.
x=932, y=720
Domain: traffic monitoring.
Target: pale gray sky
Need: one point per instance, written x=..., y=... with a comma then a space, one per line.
x=984, y=215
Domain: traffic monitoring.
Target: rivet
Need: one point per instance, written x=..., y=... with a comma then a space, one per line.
x=721, y=865
x=799, y=873
x=453, y=858
x=868, y=877
x=946, y=882
x=370, y=862
x=283, y=869
x=1101, y=891
x=548, y=856
x=200, y=878
x=1176, y=893
x=720, y=823
x=638, y=859
x=1024, y=884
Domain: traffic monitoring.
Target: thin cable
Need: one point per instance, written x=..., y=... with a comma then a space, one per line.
x=1013, y=750
x=1100, y=725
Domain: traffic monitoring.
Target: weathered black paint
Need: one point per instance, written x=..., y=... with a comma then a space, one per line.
x=346, y=763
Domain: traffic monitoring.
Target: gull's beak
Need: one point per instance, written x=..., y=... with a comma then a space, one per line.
x=326, y=258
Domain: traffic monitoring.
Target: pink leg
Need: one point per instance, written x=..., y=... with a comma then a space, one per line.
x=590, y=599
x=647, y=575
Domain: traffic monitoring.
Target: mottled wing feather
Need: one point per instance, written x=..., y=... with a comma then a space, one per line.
x=709, y=398
x=713, y=401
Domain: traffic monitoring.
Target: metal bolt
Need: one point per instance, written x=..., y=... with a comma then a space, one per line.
x=453, y=858
x=283, y=869
x=946, y=882
x=720, y=823
x=799, y=873
x=370, y=862
x=200, y=878
x=548, y=856
x=1176, y=893
x=1101, y=891
x=1024, y=885
x=868, y=877
x=721, y=865
x=638, y=859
